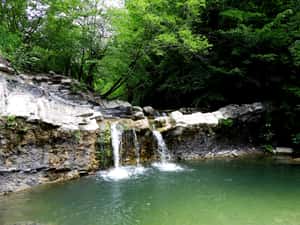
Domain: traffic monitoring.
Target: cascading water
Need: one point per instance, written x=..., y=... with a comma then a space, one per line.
x=162, y=147
x=165, y=157
x=120, y=172
x=116, y=139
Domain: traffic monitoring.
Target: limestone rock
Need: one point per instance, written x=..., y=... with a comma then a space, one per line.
x=36, y=153
x=283, y=150
x=176, y=115
x=214, y=118
x=115, y=104
x=142, y=124
x=137, y=109
x=138, y=115
x=149, y=111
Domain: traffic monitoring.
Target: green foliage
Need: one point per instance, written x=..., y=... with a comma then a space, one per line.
x=9, y=42
x=148, y=35
x=240, y=16
x=295, y=52
x=227, y=122
x=268, y=148
x=11, y=122
x=296, y=139
x=167, y=53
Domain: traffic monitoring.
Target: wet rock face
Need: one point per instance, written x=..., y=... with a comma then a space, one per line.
x=51, y=130
x=146, y=147
x=231, y=137
x=32, y=153
x=136, y=141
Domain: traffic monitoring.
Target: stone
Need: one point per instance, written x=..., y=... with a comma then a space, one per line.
x=213, y=119
x=142, y=124
x=176, y=115
x=5, y=66
x=235, y=111
x=97, y=116
x=283, y=150
x=149, y=111
x=138, y=115
x=86, y=114
x=36, y=103
x=53, y=134
x=115, y=104
x=162, y=123
x=42, y=151
x=137, y=109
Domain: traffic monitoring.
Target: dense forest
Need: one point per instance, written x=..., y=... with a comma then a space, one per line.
x=167, y=53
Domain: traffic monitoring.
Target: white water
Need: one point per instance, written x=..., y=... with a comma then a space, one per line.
x=121, y=172
x=164, y=164
x=161, y=147
x=116, y=139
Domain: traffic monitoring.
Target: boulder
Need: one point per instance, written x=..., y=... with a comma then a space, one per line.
x=138, y=115
x=5, y=66
x=176, y=115
x=115, y=104
x=137, y=109
x=214, y=118
x=149, y=111
x=142, y=124
x=283, y=150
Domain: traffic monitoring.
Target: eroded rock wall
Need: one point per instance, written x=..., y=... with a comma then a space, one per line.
x=52, y=131
x=32, y=153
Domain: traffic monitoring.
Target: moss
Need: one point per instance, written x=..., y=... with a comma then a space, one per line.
x=103, y=146
x=77, y=136
x=227, y=122
x=11, y=121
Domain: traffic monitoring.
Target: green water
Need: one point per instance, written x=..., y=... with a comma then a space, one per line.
x=205, y=193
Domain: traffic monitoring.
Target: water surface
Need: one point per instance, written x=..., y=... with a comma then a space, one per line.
x=204, y=193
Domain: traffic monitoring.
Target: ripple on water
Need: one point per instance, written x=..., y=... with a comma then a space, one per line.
x=167, y=167
x=122, y=173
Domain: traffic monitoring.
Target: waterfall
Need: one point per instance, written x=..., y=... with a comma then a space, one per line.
x=162, y=147
x=137, y=148
x=116, y=139
x=120, y=172
x=164, y=164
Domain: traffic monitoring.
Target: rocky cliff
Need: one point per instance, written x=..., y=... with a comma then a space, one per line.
x=51, y=130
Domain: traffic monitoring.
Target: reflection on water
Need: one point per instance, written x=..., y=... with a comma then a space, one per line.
x=208, y=193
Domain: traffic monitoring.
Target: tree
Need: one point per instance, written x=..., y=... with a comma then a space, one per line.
x=147, y=35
